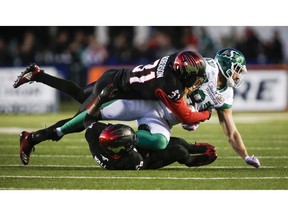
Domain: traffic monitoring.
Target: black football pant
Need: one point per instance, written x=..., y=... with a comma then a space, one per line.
x=69, y=88
x=85, y=96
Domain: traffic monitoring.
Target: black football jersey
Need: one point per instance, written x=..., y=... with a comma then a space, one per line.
x=142, y=81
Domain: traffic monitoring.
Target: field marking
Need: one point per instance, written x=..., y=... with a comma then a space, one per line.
x=89, y=156
x=48, y=146
x=167, y=167
x=249, y=118
x=144, y=177
x=57, y=156
x=60, y=146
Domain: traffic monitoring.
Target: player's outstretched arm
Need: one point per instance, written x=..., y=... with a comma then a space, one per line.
x=234, y=137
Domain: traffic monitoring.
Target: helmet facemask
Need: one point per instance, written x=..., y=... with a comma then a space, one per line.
x=229, y=65
x=117, y=140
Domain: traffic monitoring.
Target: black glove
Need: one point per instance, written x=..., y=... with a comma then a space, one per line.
x=107, y=94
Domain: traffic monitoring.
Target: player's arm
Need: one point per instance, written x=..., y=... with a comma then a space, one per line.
x=234, y=137
x=181, y=110
x=107, y=94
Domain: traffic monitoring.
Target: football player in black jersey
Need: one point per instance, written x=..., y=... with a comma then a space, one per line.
x=166, y=79
x=113, y=147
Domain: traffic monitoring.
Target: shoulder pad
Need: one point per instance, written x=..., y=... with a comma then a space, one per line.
x=211, y=62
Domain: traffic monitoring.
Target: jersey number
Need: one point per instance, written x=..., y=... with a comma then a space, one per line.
x=146, y=77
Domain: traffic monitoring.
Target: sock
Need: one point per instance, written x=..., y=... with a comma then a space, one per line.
x=150, y=141
x=76, y=124
x=59, y=132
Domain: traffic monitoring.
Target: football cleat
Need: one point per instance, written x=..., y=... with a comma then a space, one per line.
x=27, y=75
x=25, y=147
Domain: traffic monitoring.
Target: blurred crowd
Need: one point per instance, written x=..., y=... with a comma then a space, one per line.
x=74, y=49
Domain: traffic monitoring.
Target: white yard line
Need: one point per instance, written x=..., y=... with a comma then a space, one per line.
x=144, y=177
x=168, y=167
x=89, y=156
x=253, y=118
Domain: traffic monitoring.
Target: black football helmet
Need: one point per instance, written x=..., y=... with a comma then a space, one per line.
x=117, y=139
x=190, y=67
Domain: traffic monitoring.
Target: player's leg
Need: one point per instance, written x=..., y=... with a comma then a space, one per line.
x=65, y=86
x=167, y=156
x=195, y=148
x=128, y=110
x=153, y=133
x=201, y=153
x=77, y=122
x=176, y=151
x=29, y=140
x=99, y=88
x=125, y=110
x=34, y=73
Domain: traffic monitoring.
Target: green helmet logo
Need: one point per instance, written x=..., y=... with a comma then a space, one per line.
x=231, y=61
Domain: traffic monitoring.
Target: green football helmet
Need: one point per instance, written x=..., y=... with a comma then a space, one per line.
x=231, y=61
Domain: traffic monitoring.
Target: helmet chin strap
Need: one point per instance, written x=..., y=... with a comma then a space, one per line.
x=232, y=83
x=229, y=80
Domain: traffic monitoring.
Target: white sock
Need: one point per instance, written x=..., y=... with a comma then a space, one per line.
x=59, y=132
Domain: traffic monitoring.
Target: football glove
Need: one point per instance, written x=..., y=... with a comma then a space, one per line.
x=253, y=161
x=107, y=94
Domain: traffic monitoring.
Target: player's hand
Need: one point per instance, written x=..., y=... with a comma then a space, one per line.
x=192, y=127
x=107, y=94
x=253, y=161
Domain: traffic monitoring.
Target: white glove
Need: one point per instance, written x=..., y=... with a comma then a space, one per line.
x=190, y=127
x=253, y=161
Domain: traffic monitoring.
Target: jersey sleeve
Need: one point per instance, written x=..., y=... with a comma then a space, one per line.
x=181, y=110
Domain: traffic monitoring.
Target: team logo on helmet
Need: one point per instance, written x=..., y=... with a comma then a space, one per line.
x=191, y=68
x=232, y=55
x=117, y=139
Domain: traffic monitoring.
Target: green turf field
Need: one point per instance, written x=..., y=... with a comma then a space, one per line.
x=67, y=164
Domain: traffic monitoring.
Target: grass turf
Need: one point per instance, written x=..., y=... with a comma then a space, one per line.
x=67, y=164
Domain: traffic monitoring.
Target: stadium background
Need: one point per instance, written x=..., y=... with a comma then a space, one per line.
x=82, y=53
